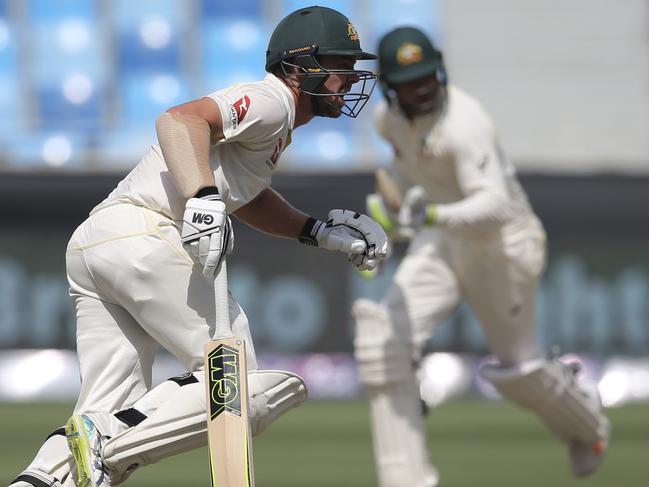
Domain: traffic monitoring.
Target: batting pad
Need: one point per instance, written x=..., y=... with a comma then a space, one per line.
x=51, y=466
x=385, y=368
x=30, y=478
x=383, y=356
x=570, y=411
x=272, y=393
x=179, y=424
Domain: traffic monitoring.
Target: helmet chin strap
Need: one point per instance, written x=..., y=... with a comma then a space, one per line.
x=319, y=105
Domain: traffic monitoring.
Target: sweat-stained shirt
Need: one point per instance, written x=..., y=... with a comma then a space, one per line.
x=258, y=120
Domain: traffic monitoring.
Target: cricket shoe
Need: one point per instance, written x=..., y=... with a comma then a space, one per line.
x=85, y=443
x=586, y=457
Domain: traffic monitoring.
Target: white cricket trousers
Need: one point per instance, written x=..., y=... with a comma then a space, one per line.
x=134, y=287
x=498, y=277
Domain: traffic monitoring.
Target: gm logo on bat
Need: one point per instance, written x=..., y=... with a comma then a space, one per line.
x=223, y=368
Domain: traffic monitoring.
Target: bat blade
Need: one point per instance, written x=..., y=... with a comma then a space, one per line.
x=388, y=188
x=228, y=428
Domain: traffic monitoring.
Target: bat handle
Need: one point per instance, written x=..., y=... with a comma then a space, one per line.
x=223, y=327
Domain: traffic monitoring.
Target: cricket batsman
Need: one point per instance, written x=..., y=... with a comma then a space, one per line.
x=141, y=266
x=475, y=238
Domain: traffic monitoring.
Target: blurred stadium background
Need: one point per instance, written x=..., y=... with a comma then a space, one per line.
x=81, y=83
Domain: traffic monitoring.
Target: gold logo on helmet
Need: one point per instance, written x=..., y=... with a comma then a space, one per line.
x=351, y=31
x=409, y=53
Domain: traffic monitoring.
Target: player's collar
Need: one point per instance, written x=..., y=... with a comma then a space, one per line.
x=286, y=94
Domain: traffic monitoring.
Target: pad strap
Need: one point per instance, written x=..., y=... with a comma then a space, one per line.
x=131, y=416
x=56, y=432
x=36, y=481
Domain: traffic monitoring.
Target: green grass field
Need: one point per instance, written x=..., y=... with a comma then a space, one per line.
x=327, y=444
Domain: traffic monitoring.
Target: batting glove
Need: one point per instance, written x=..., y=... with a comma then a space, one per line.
x=416, y=211
x=207, y=231
x=357, y=235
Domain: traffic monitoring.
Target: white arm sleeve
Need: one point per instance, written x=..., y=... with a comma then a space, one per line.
x=185, y=143
x=482, y=172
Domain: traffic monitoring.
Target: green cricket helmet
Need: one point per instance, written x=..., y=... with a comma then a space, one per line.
x=406, y=54
x=305, y=34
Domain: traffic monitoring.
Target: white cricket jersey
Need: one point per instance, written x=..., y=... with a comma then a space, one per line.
x=258, y=121
x=455, y=156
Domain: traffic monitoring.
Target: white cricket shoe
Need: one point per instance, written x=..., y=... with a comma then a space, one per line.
x=85, y=441
x=585, y=457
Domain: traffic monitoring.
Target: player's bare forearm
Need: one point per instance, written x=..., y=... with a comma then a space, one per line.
x=185, y=134
x=270, y=213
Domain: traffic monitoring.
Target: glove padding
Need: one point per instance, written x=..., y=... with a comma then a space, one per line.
x=416, y=210
x=207, y=232
x=357, y=235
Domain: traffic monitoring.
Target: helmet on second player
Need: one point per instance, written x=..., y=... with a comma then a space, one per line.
x=305, y=34
x=406, y=55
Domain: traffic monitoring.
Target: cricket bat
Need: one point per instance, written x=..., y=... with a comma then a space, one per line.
x=388, y=189
x=226, y=382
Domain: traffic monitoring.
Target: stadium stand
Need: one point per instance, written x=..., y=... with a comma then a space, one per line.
x=81, y=81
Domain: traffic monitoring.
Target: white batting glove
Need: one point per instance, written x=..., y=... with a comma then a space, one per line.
x=416, y=210
x=357, y=235
x=207, y=231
